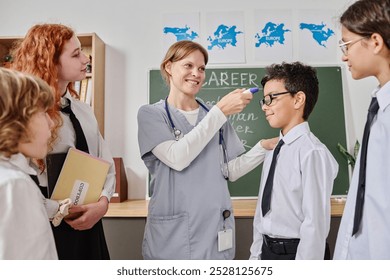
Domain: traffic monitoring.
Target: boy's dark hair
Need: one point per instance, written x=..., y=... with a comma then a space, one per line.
x=296, y=77
x=365, y=17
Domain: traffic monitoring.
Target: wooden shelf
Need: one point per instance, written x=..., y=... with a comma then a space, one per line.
x=92, y=41
x=120, y=193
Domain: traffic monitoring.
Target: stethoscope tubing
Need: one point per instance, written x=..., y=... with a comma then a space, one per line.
x=177, y=132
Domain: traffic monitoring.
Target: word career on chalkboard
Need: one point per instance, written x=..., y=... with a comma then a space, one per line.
x=327, y=121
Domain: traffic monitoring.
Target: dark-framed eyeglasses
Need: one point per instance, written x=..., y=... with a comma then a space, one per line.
x=267, y=100
x=344, y=45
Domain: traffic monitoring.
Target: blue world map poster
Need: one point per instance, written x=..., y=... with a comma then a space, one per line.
x=180, y=26
x=225, y=37
x=317, y=36
x=272, y=41
x=277, y=35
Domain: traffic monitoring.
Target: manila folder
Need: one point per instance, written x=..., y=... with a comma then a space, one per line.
x=82, y=178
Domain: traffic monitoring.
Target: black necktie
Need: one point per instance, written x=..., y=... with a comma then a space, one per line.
x=44, y=190
x=372, y=111
x=266, y=200
x=35, y=179
x=81, y=142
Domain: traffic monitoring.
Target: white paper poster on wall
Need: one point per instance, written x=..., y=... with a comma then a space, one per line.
x=272, y=41
x=178, y=27
x=317, y=36
x=224, y=37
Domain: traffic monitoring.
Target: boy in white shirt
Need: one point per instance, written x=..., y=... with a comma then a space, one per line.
x=292, y=217
x=25, y=232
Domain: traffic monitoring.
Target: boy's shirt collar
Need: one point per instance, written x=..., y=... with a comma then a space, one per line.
x=21, y=162
x=383, y=96
x=294, y=133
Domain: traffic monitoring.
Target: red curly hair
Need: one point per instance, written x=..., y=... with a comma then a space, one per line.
x=38, y=54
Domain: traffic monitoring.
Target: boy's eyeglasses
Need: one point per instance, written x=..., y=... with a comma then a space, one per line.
x=344, y=45
x=267, y=100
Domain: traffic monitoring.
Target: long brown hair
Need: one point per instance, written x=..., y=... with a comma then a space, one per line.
x=365, y=17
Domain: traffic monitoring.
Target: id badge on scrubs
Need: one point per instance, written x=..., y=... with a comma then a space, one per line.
x=225, y=239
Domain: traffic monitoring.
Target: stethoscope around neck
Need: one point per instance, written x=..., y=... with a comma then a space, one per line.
x=224, y=159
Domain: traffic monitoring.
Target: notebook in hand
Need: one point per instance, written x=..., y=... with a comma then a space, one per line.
x=81, y=178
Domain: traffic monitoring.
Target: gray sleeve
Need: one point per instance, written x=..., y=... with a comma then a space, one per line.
x=153, y=129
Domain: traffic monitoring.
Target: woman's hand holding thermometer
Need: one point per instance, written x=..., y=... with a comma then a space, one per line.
x=235, y=101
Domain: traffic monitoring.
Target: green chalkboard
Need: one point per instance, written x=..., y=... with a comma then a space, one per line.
x=327, y=121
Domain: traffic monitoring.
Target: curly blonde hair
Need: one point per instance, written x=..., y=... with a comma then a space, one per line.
x=38, y=54
x=21, y=96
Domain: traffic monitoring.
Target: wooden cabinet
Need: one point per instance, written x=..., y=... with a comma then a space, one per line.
x=93, y=46
x=6, y=44
x=120, y=193
x=96, y=46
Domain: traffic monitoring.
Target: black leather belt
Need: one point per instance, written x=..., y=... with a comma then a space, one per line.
x=281, y=246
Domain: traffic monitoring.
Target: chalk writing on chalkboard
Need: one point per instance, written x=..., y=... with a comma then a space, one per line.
x=327, y=121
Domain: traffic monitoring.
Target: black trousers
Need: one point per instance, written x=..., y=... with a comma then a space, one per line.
x=283, y=249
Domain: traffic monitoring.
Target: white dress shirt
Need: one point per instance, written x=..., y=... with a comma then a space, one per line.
x=372, y=241
x=300, y=201
x=25, y=232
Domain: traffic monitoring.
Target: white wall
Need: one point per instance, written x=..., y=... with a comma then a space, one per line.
x=131, y=31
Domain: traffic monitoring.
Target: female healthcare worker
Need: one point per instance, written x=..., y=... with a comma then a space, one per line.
x=191, y=150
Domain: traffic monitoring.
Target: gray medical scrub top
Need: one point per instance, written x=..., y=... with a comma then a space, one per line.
x=185, y=209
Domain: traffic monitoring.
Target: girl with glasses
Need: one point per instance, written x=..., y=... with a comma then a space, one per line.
x=364, y=230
